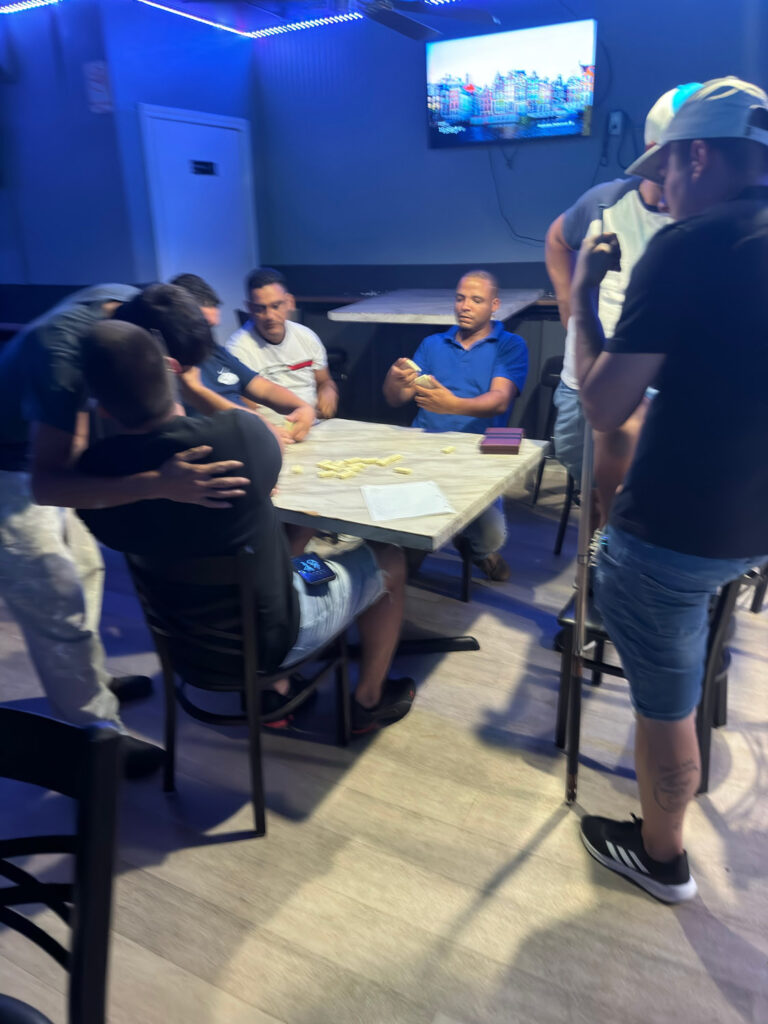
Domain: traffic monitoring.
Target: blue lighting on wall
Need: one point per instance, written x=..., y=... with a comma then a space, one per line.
x=24, y=5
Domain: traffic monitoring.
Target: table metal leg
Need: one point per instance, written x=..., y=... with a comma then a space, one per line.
x=428, y=645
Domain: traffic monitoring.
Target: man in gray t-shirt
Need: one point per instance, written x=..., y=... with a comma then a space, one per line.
x=628, y=207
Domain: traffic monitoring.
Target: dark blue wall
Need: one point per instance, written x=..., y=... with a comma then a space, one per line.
x=166, y=61
x=343, y=171
x=62, y=208
x=346, y=174
x=73, y=198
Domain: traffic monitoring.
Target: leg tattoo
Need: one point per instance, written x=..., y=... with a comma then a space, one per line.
x=676, y=785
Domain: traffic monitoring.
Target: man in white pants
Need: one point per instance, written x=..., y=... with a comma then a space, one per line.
x=51, y=570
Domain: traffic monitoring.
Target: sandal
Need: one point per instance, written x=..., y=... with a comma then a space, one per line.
x=277, y=708
x=396, y=701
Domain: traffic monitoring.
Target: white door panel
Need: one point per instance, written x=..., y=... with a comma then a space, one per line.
x=201, y=197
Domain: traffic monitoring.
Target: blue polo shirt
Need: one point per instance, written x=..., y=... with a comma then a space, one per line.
x=224, y=374
x=469, y=372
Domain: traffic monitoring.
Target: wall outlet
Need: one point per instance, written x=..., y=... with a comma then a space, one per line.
x=615, y=122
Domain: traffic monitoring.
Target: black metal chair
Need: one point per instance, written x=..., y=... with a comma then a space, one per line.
x=572, y=497
x=83, y=764
x=415, y=558
x=213, y=646
x=712, y=709
x=548, y=381
x=758, y=579
x=338, y=358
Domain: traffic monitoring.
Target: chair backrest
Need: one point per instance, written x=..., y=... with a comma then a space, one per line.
x=538, y=418
x=83, y=764
x=337, y=363
x=207, y=642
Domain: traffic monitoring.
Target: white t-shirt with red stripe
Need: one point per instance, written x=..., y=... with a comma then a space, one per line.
x=291, y=363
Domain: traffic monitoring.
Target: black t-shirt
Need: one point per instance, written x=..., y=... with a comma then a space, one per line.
x=173, y=529
x=699, y=480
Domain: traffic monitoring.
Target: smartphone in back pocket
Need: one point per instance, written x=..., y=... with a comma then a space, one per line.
x=313, y=569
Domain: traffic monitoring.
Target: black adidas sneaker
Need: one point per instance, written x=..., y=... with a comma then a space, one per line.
x=618, y=846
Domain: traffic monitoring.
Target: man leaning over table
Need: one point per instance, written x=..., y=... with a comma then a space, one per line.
x=476, y=370
x=51, y=570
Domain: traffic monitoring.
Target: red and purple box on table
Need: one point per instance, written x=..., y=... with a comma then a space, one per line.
x=502, y=440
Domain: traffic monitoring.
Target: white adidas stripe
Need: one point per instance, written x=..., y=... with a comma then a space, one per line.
x=626, y=857
x=638, y=863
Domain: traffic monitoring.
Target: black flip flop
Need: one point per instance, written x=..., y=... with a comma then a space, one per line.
x=396, y=701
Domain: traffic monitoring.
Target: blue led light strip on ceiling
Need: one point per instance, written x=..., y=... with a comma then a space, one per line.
x=195, y=17
x=297, y=26
x=259, y=33
x=24, y=5
x=275, y=30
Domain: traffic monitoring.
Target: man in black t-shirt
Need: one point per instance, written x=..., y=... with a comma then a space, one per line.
x=127, y=372
x=692, y=513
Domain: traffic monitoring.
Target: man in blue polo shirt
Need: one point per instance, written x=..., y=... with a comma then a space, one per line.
x=476, y=370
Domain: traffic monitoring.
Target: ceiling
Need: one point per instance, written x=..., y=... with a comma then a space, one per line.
x=255, y=15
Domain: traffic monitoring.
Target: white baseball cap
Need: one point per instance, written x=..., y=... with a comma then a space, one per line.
x=664, y=109
x=720, y=109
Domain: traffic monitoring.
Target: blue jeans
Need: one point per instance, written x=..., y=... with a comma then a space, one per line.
x=654, y=603
x=569, y=430
x=486, y=534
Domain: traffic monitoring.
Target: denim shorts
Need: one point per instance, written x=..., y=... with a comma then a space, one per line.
x=569, y=430
x=654, y=603
x=325, y=609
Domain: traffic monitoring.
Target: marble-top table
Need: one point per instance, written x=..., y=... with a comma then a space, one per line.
x=469, y=480
x=427, y=306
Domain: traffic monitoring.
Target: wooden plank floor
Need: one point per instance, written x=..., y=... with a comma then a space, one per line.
x=431, y=874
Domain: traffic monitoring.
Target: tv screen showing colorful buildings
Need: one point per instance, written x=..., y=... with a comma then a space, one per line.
x=530, y=84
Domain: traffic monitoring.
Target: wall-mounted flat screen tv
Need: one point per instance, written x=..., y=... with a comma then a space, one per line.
x=533, y=83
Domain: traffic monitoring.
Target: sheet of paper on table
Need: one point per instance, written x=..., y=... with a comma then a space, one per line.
x=405, y=501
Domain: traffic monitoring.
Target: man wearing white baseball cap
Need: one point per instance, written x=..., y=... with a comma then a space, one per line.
x=691, y=516
x=628, y=207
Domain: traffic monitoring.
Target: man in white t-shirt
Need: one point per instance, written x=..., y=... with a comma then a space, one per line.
x=287, y=353
x=630, y=208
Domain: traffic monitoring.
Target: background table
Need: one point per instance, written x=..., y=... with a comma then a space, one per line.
x=427, y=306
x=469, y=480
